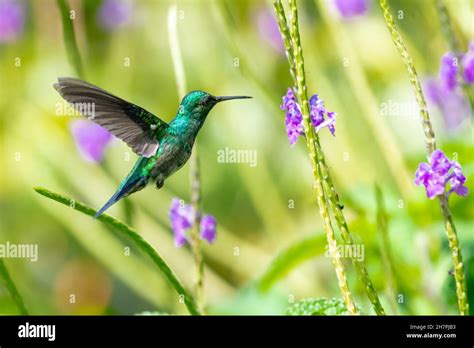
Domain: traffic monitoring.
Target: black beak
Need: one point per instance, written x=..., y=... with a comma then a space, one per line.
x=220, y=99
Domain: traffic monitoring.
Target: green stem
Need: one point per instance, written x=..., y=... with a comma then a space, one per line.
x=7, y=280
x=195, y=176
x=446, y=26
x=336, y=209
x=461, y=290
x=70, y=38
x=382, y=226
x=195, y=239
x=430, y=140
x=296, y=61
x=132, y=234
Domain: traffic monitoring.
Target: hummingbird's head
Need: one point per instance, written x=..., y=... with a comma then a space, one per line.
x=199, y=103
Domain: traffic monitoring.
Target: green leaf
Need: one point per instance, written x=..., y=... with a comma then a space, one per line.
x=318, y=306
x=132, y=234
x=12, y=288
x=290, y=258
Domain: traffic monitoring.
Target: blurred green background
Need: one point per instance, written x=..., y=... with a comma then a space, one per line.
x=229, y=48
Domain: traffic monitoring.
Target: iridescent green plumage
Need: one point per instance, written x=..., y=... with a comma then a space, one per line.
x=163, y=148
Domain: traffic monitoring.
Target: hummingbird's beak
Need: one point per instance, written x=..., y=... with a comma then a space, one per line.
x=220, y=99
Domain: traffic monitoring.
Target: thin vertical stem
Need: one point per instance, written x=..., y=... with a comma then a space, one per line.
x=336, y=209
x=461, y=290
x=382, y=226
x=291, y=38
x=195, y=176
x=195, y=239
x=70, y=38
x=10, y=285
x=430, y=140
x=446, y=26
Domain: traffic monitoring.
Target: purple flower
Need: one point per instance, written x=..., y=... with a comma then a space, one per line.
x=269, y=31
x=114, y=14
x=468, y=64
x=453, y=104
x=12, y=19
x=91, y=139
x=208, y=228
x=317, y=113
x=182, y=218
x=317, y=110
x=439, y=172
x=294, y=119
x=448, y=71
x=351, y=8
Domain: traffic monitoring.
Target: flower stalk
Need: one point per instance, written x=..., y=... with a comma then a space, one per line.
x=291, y=39
x=10, y=285
x=430, y=141
x=195, y=176
x=387, y=259
x=446, y=26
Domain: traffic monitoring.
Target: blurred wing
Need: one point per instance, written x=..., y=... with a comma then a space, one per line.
x=140, y=129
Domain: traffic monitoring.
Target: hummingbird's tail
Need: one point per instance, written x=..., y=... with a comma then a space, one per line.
x=131, y=184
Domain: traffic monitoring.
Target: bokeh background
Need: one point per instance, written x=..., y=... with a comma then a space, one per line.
x=229, y=47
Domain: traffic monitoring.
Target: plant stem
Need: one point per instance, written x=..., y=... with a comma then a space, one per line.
x=360, y=86
x=430, y=140
x=195, y=176
x=382, y=226
x=461, y=290
x=295, y=58
x=135, y=236
x=7, y=280
x=336, y=209
x=70, y=38
x=195, y=239
x=446, y=26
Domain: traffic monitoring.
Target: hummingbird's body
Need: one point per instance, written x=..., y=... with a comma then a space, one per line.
x=163, y=148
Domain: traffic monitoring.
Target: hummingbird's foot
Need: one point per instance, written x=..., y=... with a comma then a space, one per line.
x=159, y=183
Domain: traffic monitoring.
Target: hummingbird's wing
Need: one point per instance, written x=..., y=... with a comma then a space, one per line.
x=140, y=129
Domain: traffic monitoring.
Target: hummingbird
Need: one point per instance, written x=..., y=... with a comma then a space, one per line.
x=163, y=148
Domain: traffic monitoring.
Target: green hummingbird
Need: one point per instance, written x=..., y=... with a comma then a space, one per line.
x=163, y=148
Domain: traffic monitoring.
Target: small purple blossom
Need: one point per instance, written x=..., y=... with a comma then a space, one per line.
x=208, y=228
x=317, y=110
x=182, y=218
x=468, y=64
x=12, y=19
x=351, y=8
x=438, y=173
x=294, y=118
x=91, y=139
x=448, y=71
x=317, y=113
x=453, y=104
x=114, y=14
x=269, y=31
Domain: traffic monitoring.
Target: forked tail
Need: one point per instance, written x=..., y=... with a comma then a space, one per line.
x=129, y=185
